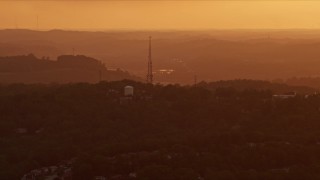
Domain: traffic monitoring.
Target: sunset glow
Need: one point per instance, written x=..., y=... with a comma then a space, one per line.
x=159, y=14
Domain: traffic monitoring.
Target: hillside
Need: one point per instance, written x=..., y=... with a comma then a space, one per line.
x=66, y=69
x=212, y=55
x=247, y=84
x=164, y=132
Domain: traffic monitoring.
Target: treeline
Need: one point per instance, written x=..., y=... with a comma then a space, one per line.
x=275, y=87
x=32, y=63
x=66, y=69
x=304, y=81
x=164, y=132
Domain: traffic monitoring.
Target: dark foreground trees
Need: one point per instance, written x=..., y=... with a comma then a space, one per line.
x=202, y=132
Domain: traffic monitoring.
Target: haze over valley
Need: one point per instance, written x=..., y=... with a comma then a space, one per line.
x=179, y=55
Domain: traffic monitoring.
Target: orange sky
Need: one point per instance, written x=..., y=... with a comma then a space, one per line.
x=98, y=15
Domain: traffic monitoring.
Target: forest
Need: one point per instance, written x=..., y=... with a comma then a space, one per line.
x=226, y=130
x=65, y=69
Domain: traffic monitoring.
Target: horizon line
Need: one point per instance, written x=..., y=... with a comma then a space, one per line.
x=150, y=29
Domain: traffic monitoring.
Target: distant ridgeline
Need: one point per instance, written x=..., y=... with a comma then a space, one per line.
x=66, y=69
x=231, y=86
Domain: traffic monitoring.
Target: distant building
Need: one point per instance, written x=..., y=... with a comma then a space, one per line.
x=128, y=91
x=100, y=178
x=165, y=71
x=21, y=130
x=285, y=96
x=59, y=172
x=128, y=95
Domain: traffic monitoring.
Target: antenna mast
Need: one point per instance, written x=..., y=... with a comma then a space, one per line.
x=15, y=23
x=37, y=22
x=149, y=75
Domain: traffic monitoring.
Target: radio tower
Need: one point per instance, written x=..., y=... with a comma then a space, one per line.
x=149, y=75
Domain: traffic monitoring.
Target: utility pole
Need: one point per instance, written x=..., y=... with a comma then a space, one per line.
x=38, y=22
x=149, y=74
x=100, y=75
x=15, y=23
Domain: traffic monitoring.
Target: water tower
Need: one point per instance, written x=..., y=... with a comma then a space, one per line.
x=128, y=91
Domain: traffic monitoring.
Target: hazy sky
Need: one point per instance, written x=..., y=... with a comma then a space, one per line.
x=159, y=14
